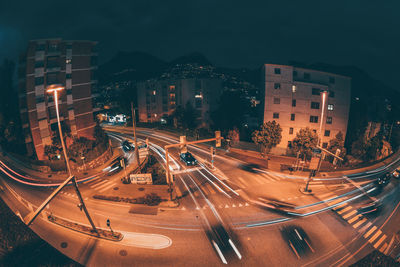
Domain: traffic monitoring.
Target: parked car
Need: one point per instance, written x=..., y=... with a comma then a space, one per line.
x=297, y=240
x=188, y=159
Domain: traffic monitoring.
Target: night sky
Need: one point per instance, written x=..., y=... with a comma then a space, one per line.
x=363, y=33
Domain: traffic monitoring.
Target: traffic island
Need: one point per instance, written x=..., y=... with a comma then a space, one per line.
x=101, y=233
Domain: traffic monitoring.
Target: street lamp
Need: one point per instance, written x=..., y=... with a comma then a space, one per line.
x=324, y=96
x=54, y=88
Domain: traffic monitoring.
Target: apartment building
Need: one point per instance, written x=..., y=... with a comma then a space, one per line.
x=157, y=99
x=71, y=64
x=297, y=98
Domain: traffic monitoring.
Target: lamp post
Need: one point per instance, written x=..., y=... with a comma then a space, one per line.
x=324, y=96
x=55, y=89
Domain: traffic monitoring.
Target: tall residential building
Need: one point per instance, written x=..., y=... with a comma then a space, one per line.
x=294, y=99
x=157, y=99
x=71, y=64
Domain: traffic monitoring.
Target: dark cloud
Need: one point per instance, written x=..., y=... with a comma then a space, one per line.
x=230, y=33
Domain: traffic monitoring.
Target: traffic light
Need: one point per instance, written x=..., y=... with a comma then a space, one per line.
x=183, y=147
x=218, y=138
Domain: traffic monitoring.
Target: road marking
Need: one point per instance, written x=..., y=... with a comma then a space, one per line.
x=375, y=236
x=360, y=223
x=259, y=180
x=340, y=206
x=269, y=177
x=345, y=209
x=242, y=181
x=99, y=183
x=355, y=218
x=334, y=202
x=102, y=186
x=226, y=206
x=233, y=206
x=240, y=205
x=383, y=248
x=326, y=195
x=210, y=189
x=370, y=231
x=107, y=187
x=349, y=214
x=380, y=241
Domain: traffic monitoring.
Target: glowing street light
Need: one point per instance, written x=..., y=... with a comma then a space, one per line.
x=324, y=96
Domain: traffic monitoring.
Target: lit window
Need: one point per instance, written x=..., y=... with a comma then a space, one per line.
x=154, y=92
x=315, y=105
x=292, y=117
x=277, y=85
x=275, y=115
x=277, y=71
x=277, y=100
x=330, y=106
x=68, y=61
x=327, y=133
x=328, y=120
x=290, y=130
x=294, y=88
x=314, y=119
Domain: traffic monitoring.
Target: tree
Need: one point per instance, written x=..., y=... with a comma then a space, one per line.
x=337, y=143
x=99, y=135
x=185, y=116
x=269, y=135
x=233, y=135
x=305, y=141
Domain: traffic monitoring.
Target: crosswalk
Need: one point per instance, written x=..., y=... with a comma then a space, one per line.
x=255, y=180
x=100, y=185
x=370, y=232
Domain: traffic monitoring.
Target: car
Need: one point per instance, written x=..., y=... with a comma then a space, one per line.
x=383, y=180
x=396, y=173
x=114, y=168
x=250, y=167
x=188, y=159
x=370, y=207
x=297, y=240
x=127, y=146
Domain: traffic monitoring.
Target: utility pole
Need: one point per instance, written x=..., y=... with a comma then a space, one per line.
x=134, y=132
x=212, y=157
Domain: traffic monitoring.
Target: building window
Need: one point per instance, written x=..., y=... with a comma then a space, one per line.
x=39, y=64
x=277, y=86
x=68, y=76
x=277, y=100
x=277, y=71
x=292, y=117
x=291, y=130
x=294, y=88
x=306, y=76
x=330, y=106
x=293, y=102
x=53, y=47
x=52, y=62
x=315, y=105
x=331, y=79
x=324, y=145
x=331, y=94
x=328, y=120
x=316, y=91
x=327, y=133
x=275, y=115
x=314, y=119
x=68, y=46
x=40, y=47
x=198, y=102
x=39, y=80
x=314, y=131
x=68, y=61
x=294, y=73
x=51, y=78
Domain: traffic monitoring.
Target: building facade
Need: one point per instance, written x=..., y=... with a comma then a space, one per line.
x=71, y=64
x=157, y=99
x=297, y=98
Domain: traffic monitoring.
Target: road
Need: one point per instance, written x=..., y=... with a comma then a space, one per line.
x=220, y=207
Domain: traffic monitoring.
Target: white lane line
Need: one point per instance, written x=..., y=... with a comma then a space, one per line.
x=242, y=182
x=99, y=186
x=107, y=187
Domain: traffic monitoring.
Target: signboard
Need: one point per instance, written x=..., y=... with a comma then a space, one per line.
x=141, y=178
x=314, y=163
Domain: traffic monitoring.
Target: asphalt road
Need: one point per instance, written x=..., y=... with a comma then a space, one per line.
x=225, y=204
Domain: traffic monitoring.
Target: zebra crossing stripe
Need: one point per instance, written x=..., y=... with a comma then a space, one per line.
x=370, y=232
x=375, y=236
x=348, y=215
x=97, y=184
x=379, y=241
x=344, y=210
x=340, y=206
x=107, y=187
x=383, y=248
x=103, y=185
x=355, y=218
x=359, y=223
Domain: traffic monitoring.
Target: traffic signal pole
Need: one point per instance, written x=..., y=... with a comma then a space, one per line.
x=134, y=133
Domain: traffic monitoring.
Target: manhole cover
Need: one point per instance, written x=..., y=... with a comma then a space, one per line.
x=141, y=189
x=64, y=244
x=116, y=188
x=123, y=252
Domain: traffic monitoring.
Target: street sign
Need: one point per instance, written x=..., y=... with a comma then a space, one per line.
x=141, y=178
